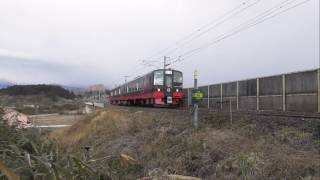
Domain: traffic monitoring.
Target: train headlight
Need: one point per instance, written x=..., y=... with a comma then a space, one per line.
x=177, y=90
x=158, y=89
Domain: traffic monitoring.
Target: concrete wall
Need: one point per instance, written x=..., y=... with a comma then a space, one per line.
x=293, y=92
x=302, y=91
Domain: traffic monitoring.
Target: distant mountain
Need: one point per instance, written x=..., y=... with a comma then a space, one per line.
x=4, y=83
x=74, y=89
x=85, y=89
x=51, y=91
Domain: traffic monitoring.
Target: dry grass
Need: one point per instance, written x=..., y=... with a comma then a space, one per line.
x=55, y=119
x=109, y=123
x=164, y=143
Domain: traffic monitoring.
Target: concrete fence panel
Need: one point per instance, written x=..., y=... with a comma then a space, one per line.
x=302, y=103
x=301, y=83
x=301, y=91
x=270, y=93
x=215, y=90
x=270, y=86
x=229, y=89
x=248, y=87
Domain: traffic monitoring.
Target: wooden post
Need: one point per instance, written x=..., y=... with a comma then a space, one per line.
x=208, y=94
x=237, y=94
x=258, y=94
x=283, y=92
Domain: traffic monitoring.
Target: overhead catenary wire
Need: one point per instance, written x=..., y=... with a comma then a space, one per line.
x=214, y=26
x=243, y=24
x=260, y=18
x=143, y=65
x=253, y=22
x=132, y=73
x=221, y=19
x=149, y=63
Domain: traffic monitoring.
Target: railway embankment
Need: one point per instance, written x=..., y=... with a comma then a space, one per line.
x=162, y=142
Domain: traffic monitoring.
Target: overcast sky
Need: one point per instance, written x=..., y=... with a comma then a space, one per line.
x=83, y=42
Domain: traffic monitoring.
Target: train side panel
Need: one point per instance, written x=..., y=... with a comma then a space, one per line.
x=155, y=88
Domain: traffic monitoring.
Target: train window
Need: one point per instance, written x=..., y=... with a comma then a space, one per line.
x=150, y=82
x=158, y=77
x=177, y=77
x=168, y=81
x=168, y=72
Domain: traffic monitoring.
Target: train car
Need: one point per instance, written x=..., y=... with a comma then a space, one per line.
x=160, y=88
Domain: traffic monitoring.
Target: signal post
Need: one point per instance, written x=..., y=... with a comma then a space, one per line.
x=197, y=96
x=196, y=105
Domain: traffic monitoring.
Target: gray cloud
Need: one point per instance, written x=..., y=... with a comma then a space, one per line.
x=84, y=42
x=35, y=71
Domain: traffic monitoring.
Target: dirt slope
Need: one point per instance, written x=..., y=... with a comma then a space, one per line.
x=164, y=143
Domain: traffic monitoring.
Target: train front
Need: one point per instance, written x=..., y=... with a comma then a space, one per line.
x=168, y=88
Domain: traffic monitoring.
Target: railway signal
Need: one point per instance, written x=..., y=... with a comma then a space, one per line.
x=197, y=95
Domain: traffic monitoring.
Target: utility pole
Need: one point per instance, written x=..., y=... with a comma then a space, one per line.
x=165, y=64
x=125, y=78
x=195, y=119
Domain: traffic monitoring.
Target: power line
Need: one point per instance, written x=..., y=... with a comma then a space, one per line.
x=264, y=16
x=242, y=27
x=125, y=78
x=204, y=26
x=214, y=26
x=149, y=63
x=143, y=65
x=131, y=74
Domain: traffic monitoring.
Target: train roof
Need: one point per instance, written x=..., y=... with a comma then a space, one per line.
x=142, y=76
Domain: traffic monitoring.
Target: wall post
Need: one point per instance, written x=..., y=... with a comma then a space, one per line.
x=237, y=95
x=221, y=96
x=258, y=94
x=318, y=73
x=283, y=92
x=189, y=97
x=208, y=96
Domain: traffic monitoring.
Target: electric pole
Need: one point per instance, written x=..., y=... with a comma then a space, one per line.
x=125, y=78
x=165, y=64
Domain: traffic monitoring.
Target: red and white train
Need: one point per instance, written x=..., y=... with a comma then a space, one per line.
x=160, y=88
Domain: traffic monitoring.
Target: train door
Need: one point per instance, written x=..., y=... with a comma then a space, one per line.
x=168, y=86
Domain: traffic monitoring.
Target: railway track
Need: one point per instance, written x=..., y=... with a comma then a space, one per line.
x=268, y=114
x=306, y=116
